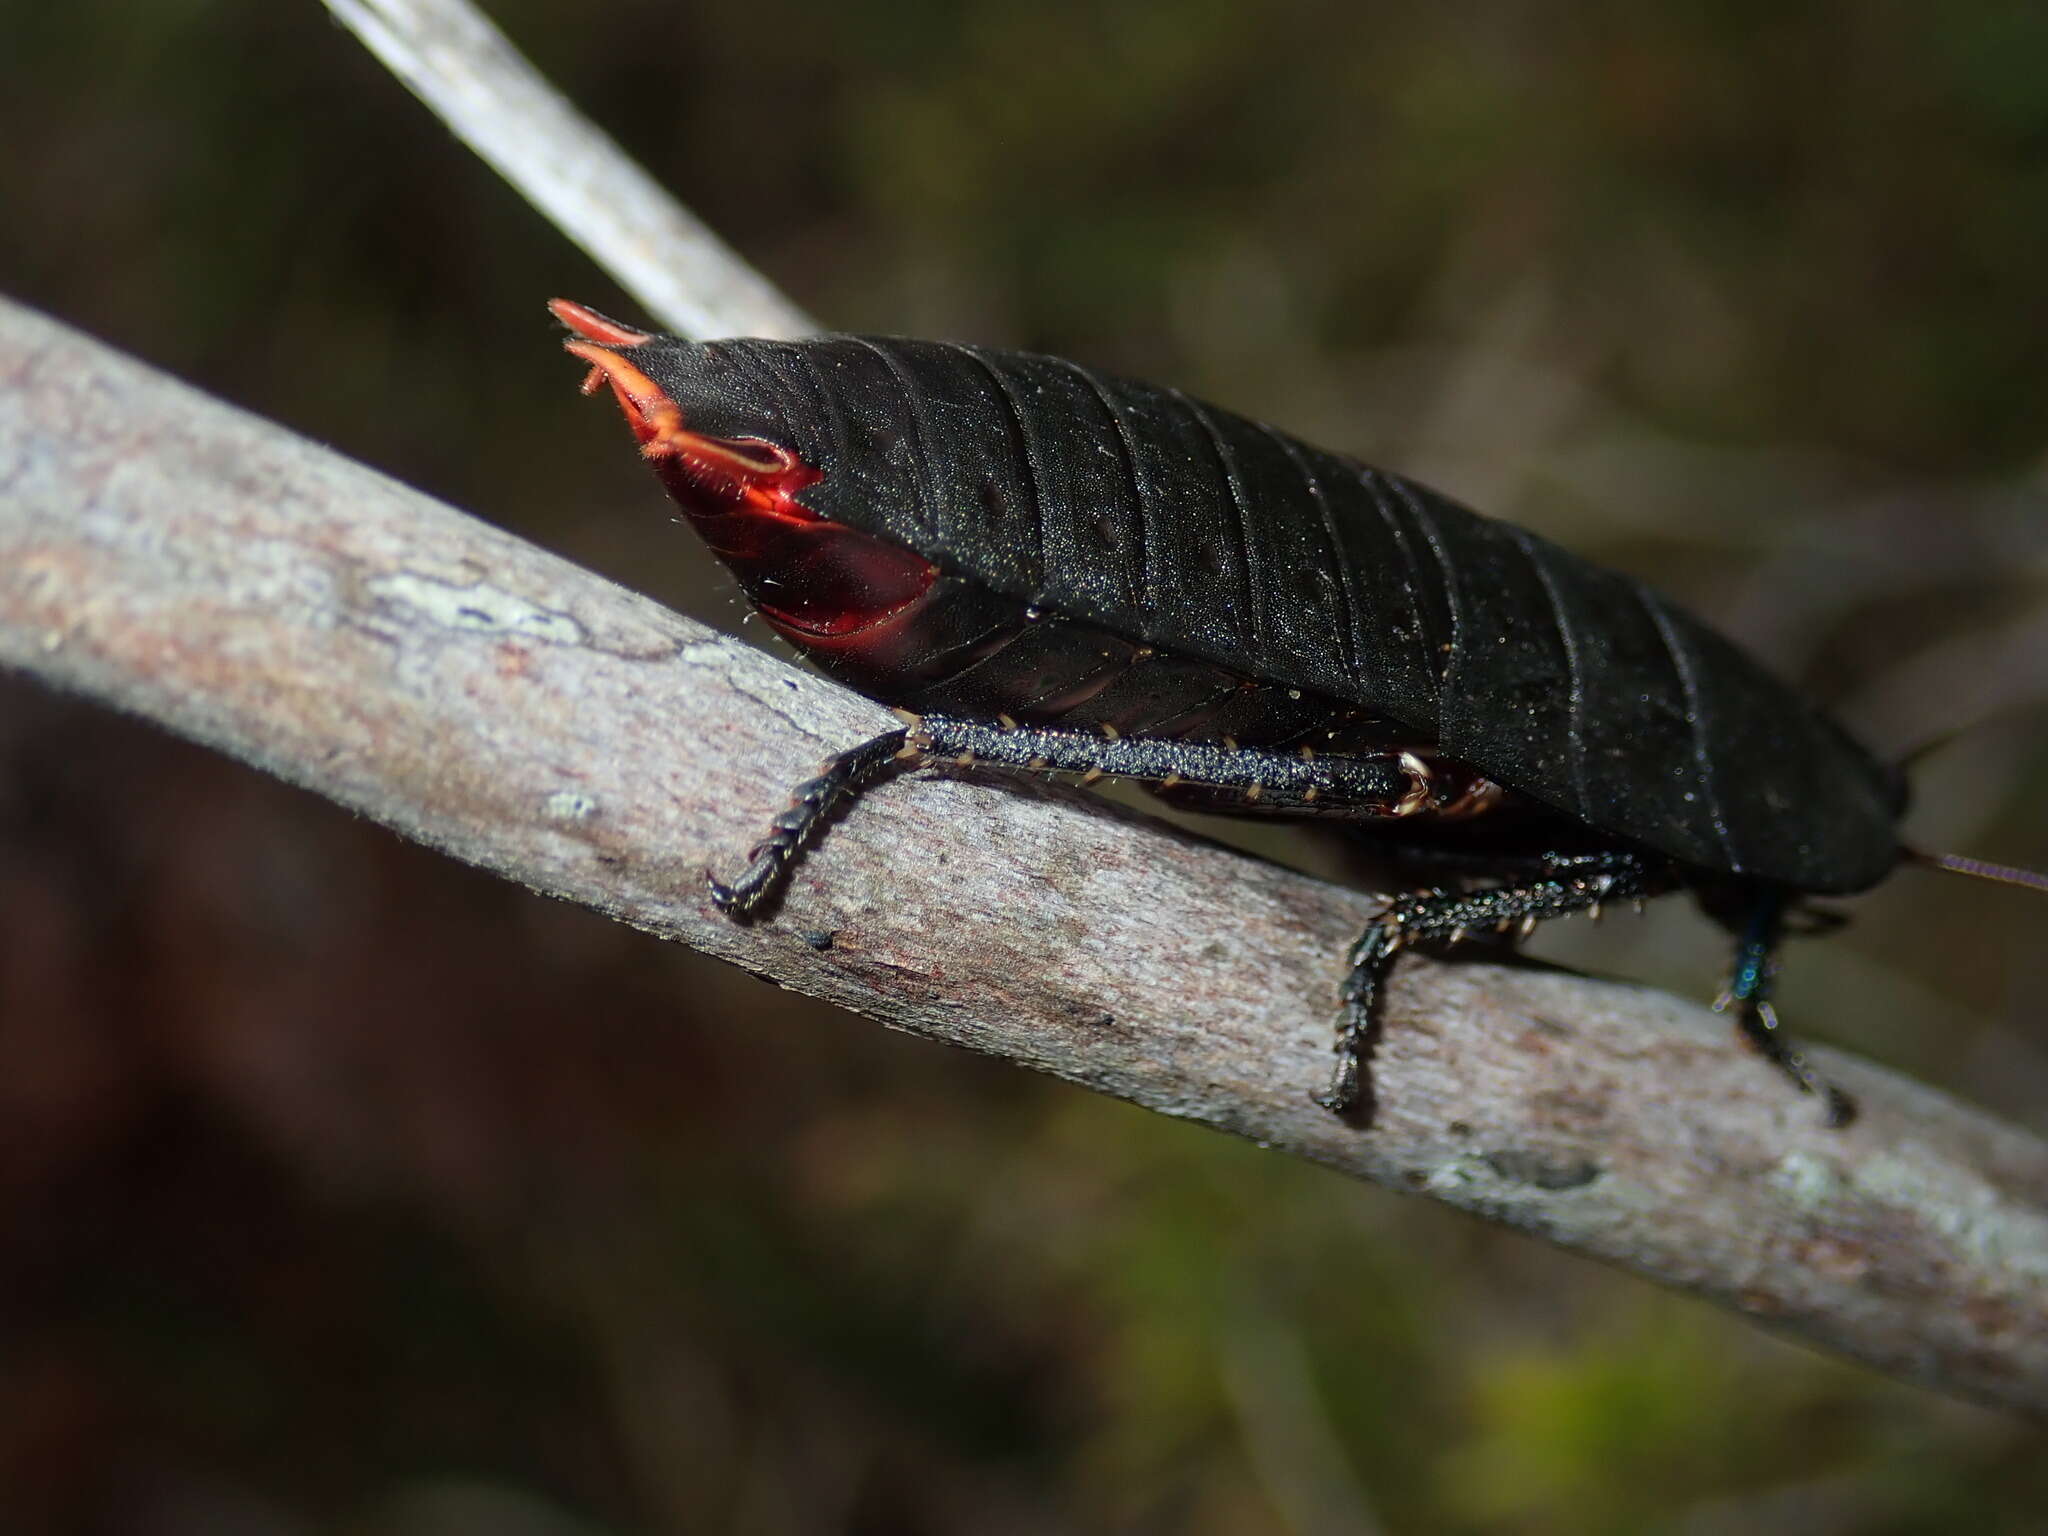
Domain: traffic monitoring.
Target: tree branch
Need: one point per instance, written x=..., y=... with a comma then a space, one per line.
x=211, y=572
x=472, y=78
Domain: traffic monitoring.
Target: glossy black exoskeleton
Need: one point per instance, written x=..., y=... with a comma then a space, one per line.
x=1056, y=570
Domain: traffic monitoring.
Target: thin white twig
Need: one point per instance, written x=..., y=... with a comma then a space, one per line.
x=464, y=69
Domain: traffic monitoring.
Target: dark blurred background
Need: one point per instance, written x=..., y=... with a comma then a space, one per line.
x=344, y=1189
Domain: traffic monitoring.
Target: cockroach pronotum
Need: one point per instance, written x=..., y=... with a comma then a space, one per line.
x=1052, y=570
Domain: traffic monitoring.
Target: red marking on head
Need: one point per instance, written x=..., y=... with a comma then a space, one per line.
x=821, y=583
x=591, y=326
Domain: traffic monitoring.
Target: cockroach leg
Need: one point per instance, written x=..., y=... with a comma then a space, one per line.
x=1367, y=784
x=769, y=863
x=1748, y=996
x=1562, y=884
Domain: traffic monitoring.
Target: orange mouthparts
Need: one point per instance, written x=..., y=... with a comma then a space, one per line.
x=591, y=326
x=820, y=582
x=747, y=470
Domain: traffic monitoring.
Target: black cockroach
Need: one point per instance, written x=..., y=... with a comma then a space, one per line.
x=1053, y=570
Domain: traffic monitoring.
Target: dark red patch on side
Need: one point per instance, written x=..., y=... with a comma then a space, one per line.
x=822, y=584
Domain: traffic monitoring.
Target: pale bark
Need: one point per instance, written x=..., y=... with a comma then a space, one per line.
x=204, y=569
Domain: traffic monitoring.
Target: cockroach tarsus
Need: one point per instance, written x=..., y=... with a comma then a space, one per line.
x=1047, y=569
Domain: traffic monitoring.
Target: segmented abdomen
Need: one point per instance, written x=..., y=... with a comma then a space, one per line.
x=1185, y=527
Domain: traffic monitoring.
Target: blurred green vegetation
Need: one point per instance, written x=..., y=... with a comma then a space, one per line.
x=347, y=1190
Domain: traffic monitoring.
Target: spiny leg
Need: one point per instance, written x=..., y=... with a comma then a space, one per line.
x=1273, y=778
x=1749, y=995
x=1562, y=884
x=1370, y=784
x=768, y=866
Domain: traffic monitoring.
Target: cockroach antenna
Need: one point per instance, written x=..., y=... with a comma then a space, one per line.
x=1959, y=863
x=1981, y=869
